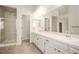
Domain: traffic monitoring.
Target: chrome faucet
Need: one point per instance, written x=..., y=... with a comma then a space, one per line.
x=68, y=34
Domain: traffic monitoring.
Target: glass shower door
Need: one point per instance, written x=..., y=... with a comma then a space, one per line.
x=7, y=25
x=10, y=27
x=2, y=35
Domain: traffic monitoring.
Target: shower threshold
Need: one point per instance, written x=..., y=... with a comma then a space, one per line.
x=5, y=43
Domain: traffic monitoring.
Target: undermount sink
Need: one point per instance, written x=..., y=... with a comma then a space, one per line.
x=66, y=38
x=73, y=39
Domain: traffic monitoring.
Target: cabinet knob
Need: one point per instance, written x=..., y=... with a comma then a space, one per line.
x=47, y=40
x=55, y=49
x=58, y=50
x=75, y=53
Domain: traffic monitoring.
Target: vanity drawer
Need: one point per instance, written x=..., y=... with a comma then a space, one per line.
x=60, y=51
x=60, y=45
x=73, y=51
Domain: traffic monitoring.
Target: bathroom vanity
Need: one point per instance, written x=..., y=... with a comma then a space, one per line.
x=55, y=43
x=59, y=31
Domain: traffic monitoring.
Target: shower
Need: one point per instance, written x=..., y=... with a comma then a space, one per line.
x=8, y=17
x=2, y=36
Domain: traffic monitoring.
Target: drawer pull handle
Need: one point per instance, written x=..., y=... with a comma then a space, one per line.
x=47, y=40
x=75, y=53
x=58, y=50
x=55, y=49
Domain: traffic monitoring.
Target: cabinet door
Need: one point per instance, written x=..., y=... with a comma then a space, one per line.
x=49, y=47
x=41, y=43
x=55, y=47
x=61, y=47
x=60, y=51
x=73, y=51
x=34, y=38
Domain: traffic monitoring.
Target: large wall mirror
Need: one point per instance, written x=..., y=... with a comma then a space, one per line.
x=36, y=24
x=64, y=19
x=47, y=24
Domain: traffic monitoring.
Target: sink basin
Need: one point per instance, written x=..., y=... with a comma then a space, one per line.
x=74, y=39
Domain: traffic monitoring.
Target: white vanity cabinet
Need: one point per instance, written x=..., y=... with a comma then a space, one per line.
x=52, y=46
x=34, y=38
x=55, y=47
x=73, y=51
x=38, y=40
x=47, y=45
x=60, y=48
x=41, y=43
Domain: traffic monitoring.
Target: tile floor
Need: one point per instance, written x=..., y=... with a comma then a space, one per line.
x=25, y=48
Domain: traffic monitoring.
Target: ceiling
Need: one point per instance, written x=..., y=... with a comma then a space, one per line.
x=32, y=8
x=29, y=8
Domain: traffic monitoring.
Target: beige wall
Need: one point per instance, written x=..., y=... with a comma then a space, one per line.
x=42, y=12
x=74, y=19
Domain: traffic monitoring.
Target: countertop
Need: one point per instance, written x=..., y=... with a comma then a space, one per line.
x=61, y=37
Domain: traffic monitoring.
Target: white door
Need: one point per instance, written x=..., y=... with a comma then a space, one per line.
x=25, y=27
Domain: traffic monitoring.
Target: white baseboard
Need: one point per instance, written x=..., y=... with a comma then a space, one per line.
x=25, y=39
